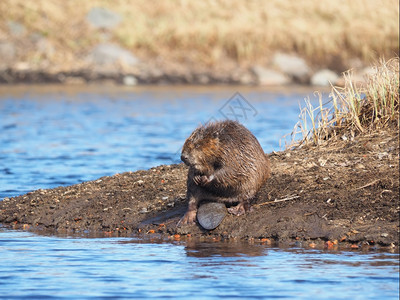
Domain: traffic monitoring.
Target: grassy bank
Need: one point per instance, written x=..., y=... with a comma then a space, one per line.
x=354, y=109
x=209, y=33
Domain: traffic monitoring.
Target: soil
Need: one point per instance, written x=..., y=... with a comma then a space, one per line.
x=344, y=192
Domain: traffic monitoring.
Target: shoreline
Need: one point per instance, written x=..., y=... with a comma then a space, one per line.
x=345, y=194
x=147, y=75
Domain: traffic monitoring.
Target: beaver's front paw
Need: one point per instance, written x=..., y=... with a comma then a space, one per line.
x=202, y=180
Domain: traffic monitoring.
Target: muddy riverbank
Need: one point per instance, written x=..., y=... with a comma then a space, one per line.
x=343, y=192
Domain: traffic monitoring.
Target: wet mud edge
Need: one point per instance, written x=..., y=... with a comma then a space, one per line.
x=343, y=192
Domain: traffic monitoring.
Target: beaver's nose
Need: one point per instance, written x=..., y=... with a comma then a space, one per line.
x=184, y=157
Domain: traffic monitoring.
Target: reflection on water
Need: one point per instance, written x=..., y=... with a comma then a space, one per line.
x=70, y=268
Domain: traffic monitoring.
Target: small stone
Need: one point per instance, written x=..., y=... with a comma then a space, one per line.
x=129, y=80
x=268, y=77
x=382, y=155
x=293, y=66
x=143, y=210
x=384, y=235
x=22, y=66
x=324, y=78
x=203, y=79
x=100, y=17
x=211, y=214
x=16, y=29
x=360, y=166
x=322, y=161
x=246, y=79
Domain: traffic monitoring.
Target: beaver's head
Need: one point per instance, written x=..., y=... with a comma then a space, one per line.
x=201, y=149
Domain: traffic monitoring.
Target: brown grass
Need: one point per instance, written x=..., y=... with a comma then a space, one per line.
x=208, y=32
x=353, y=109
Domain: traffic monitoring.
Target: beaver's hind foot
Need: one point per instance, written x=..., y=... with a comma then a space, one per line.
x=240, y=209
x=188, y=219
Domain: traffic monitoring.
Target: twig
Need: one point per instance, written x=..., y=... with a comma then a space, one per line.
x=279, y=200
x=367, y=185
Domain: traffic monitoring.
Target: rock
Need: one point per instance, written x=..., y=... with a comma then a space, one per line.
x=368, y=71
x=22, y=66
x=211, y=214
x=358, y=77
x=324, y=78
x=16, y=29
x=111, y=54
x=293, y=66
x=202, y=79
x=7, y=52
x=269, y=77
x=246, y=78
x=100, y=17
x=130, y=80
x=355, y=63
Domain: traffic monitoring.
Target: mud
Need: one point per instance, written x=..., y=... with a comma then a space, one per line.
x=342, y=192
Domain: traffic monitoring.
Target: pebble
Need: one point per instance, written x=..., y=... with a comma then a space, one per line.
x=324, y=78
x=129, y=80
x=292, y=65
x=382, y=155
x=100, y=17
x=143, y=210
x=16, y=29
x=268, y=77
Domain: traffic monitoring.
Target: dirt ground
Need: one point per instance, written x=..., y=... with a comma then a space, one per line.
x=343, y=193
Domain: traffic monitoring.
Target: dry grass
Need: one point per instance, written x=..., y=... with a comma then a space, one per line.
x=353, y=109
x=208, y=32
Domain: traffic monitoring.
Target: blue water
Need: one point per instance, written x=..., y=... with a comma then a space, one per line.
x=53, y=136
x=37, y=267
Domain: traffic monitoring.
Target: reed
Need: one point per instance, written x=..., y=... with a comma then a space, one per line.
x=352, y=109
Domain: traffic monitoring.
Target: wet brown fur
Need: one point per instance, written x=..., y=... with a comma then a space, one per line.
x=226, y=164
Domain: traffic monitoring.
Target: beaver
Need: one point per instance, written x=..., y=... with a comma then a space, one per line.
x=226, y=164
